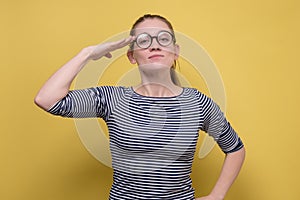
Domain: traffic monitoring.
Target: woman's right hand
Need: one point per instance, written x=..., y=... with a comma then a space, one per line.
x=104, y=49
x=58, y=85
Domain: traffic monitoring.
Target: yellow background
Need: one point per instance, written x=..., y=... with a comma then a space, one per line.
x=255, y=45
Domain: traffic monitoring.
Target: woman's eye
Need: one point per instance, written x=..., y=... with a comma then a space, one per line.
x=143, y=41
x=164, y=39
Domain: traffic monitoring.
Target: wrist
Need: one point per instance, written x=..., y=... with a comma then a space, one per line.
x=216, y=196
x=85, y=54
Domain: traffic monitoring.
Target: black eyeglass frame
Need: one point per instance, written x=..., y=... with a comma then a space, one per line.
x=156, y=37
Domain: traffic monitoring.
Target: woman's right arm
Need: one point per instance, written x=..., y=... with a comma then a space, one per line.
x=58, y=85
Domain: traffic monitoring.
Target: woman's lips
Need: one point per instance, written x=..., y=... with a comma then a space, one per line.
x=155, y=56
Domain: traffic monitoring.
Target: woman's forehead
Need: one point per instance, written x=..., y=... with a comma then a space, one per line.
x=151, y=26
x=150, y=30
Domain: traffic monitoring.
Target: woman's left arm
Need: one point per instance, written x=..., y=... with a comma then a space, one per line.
x=230, y=170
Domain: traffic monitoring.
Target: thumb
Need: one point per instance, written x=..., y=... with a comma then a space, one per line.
x=108, y=55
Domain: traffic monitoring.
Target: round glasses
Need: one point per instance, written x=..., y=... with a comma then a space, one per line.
x=163, y=38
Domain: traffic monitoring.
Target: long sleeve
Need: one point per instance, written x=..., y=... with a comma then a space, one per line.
x=217, y=126
x=86, y=103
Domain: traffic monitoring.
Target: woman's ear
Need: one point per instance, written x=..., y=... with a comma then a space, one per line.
x=130, y=57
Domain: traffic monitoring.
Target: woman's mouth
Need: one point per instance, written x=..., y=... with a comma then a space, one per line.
x=155, y=56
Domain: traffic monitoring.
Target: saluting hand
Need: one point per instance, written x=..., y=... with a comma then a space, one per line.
x=104, y=49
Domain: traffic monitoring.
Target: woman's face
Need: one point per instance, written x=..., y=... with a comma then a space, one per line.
x=156, y=53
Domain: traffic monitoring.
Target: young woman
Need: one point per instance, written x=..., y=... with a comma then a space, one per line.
x=154, y=126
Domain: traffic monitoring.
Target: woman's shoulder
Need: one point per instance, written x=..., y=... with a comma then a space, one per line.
x=111, y=88
x=197, y=95
x=193, y=91
x=111, y=91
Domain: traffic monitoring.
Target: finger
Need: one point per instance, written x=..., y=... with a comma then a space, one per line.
x=123, y=42
x=126, y=40
x=130, y=39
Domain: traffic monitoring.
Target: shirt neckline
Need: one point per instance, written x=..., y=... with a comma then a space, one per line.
x=156, y=97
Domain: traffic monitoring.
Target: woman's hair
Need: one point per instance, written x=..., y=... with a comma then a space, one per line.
x=150, y=16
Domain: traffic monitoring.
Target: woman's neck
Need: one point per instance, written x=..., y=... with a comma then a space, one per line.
x=157, y=83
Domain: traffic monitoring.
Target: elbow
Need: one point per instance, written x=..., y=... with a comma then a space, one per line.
x=41, y=102
x=46, y=100
x=37, y=100
x=241, y=154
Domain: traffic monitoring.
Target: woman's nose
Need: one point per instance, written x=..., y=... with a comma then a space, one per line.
x=154, y=45
x=154, y=48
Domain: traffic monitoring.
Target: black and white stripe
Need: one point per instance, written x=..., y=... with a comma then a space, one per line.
x=152, y=139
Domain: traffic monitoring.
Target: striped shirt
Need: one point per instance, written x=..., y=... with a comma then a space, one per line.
x=152, y=139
